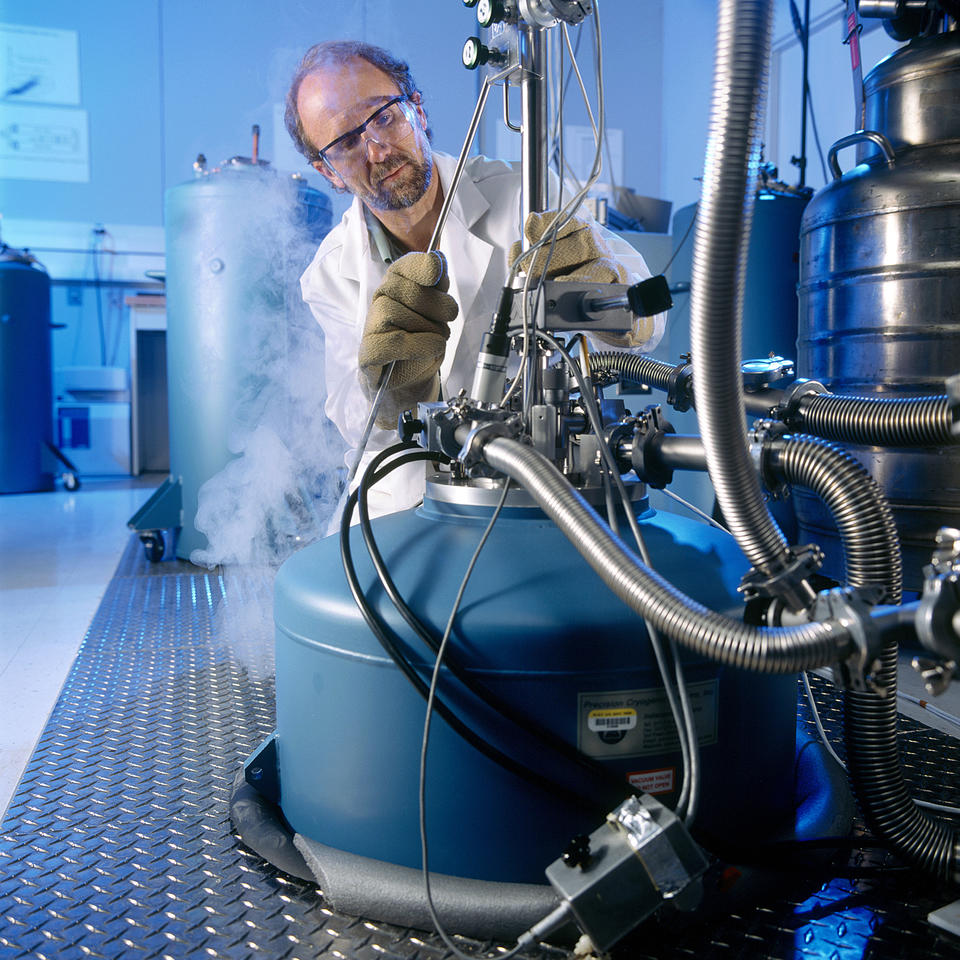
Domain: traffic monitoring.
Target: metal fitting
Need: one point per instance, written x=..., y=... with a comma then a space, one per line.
x=845, y=606
x=938, y=613
x=789, y=406
x=649, y=429
x=789, y=583
x=953, y=403
x=640, y=859
x=680, y=386
x=759, y=374
x=471, y=453
x=764, y=438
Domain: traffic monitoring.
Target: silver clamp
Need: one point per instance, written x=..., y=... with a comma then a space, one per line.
x=953, y=404
x=471, y=455
x=789, y=406
x=938, y=614
x=789, y=583
x=846, y=607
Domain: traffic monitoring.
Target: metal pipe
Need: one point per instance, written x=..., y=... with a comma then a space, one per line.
x=719, y=265
x=682, y=452
x=387, y=371
x=533, y=164
x=711, y=634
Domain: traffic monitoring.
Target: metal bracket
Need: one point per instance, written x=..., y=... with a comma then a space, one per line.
x=846, y=607
x=471, y=452
x=938, y=614
x=787, y=583
x=953, y=404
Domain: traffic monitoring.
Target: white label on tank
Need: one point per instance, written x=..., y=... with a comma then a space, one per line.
x=637, y=723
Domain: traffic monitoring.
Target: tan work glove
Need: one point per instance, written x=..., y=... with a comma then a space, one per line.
x=581, y=253
x=408, y=321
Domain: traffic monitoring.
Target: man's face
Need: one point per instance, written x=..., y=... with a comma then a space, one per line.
x=385, y=173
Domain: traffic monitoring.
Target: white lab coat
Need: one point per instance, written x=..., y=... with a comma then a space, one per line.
x=483, y=221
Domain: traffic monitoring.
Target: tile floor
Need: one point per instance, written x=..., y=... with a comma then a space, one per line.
x=59, y=552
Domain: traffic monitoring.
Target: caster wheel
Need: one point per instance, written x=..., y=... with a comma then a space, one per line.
x=71, y=481
x=153, y=546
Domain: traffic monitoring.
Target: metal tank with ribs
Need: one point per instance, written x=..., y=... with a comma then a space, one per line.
x=879, y=293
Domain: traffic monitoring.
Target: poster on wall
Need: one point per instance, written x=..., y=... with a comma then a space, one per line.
x=44, y=143
x=39, y=65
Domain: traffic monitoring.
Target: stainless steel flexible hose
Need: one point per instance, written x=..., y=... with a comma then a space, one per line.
x=711, y=634
x=636, y=367
x=864, y=521
x=719, y=264
x=877, y=421
x=873, y=759
x=880, y=421
x=872, y=555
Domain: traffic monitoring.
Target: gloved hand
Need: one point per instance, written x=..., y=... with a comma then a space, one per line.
x=408, y=321
x=581, y=253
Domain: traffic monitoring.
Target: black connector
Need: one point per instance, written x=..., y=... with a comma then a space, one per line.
x=649, y=297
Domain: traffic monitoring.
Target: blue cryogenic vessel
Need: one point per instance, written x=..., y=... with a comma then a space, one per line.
x=26, y=391
x=539, y=628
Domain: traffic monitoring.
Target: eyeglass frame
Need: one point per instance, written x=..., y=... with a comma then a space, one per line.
x=359, y=130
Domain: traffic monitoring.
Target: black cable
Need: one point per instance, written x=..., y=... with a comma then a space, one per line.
x=679, y=247
x=383, y=634
x=803, y=38
x=479, y=690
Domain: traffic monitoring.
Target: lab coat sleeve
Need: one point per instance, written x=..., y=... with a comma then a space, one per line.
x=340, y=305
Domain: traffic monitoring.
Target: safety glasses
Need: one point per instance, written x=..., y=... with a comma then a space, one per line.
x=390, y=124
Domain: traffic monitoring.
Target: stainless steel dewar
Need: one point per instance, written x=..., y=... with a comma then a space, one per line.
x=879, y=293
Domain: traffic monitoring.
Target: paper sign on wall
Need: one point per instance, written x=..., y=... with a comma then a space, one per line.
x=44, y=143
x=39, y=65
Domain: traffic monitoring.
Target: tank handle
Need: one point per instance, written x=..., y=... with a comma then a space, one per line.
x=878, y=138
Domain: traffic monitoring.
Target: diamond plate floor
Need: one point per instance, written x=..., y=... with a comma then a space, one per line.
x=118, y=842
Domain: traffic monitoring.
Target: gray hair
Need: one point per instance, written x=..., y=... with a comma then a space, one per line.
x=335, y=53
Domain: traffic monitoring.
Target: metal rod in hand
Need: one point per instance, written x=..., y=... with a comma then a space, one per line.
x=488, y=82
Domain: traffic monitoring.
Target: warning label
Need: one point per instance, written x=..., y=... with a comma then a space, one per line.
x=653, y=781
x=637, y=723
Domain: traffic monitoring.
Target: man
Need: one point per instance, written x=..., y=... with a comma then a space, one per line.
x=355, y=112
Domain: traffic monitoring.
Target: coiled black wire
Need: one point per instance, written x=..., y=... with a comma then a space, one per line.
x=524, y=724
x=414, y=453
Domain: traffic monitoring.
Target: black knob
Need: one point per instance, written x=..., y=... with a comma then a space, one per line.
x=577, y=853
x=474, y=53
x=490, y=11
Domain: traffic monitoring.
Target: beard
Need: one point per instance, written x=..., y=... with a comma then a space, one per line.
x=404, y=190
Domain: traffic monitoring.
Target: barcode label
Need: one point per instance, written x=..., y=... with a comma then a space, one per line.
x=612, y=719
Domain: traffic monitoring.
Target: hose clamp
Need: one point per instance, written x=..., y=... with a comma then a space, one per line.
x=788, y=409
x=789, y=583
x=762, y=436
x=650, y=427
x=953, y=404
x=847, y=608
x=471, y=453
x=680, y=387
